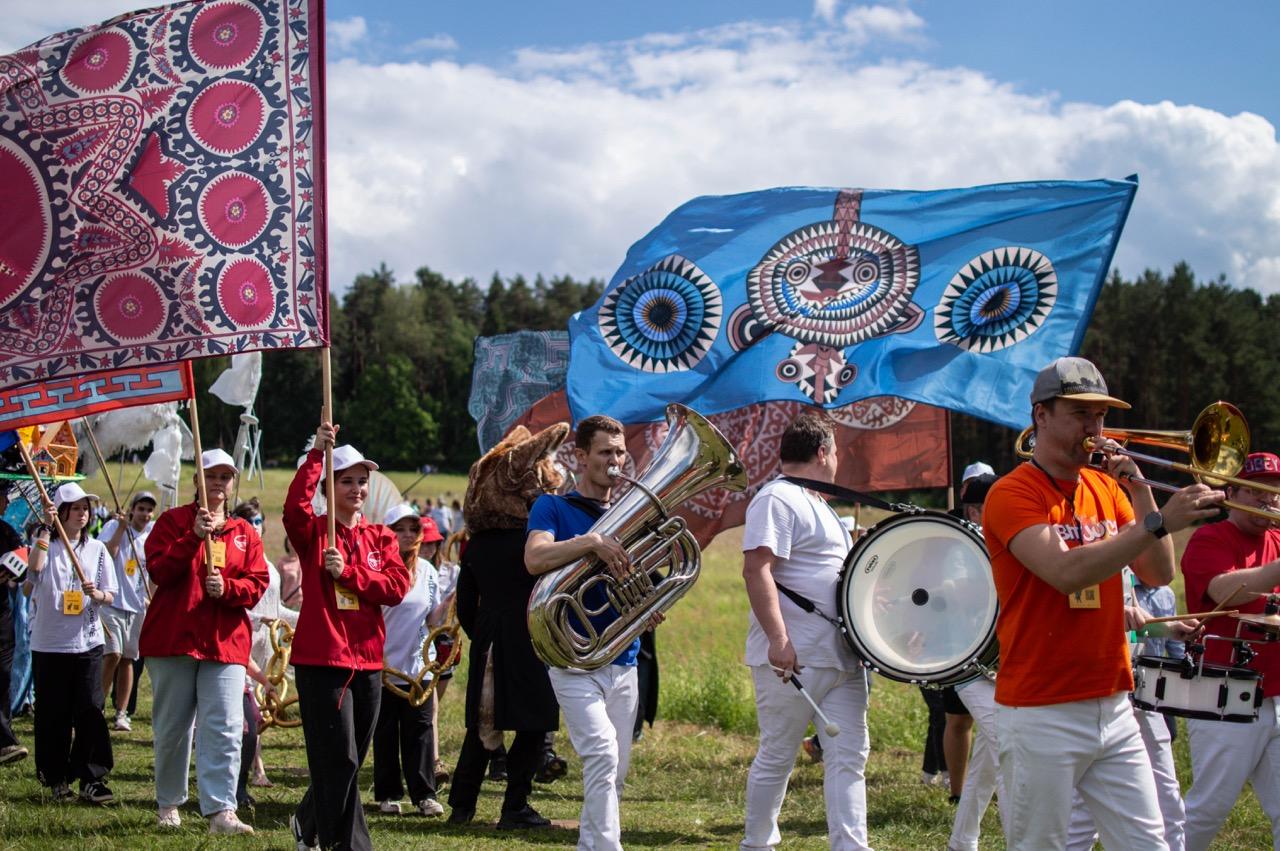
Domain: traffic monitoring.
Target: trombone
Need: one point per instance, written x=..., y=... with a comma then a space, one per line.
x=1217, y=445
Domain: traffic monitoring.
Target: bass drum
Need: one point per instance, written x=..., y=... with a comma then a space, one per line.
x=918, y=600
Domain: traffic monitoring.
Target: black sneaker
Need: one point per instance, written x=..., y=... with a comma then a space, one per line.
x=62, y=792
x=498, y=768
x=299, y=841
x=526, y=818
x=96, y=793
x=461, y=816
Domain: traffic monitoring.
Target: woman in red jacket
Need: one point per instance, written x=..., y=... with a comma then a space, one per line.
x=337, y=647
x=196, y=639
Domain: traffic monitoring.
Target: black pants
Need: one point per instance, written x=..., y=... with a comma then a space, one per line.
x=405, y=734
x=522, y=761
x=72, y=742
x=137, y=682
x=337, y=722
x=248, y=747
x=935, y=760
x=7, y=642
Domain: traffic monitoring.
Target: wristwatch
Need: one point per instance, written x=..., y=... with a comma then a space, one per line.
x=1154, y=523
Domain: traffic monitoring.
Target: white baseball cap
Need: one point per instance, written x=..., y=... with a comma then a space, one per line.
x=977, y=468
x=211, y=458
x=71, y=492
x=348, y=456
x=397, y=513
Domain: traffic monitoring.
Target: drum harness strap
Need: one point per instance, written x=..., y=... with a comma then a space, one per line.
x=849, y=495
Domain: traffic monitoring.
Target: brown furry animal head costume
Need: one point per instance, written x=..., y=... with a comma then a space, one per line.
x=510, y=476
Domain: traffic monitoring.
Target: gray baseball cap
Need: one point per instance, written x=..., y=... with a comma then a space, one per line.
x=1073, y=378
x=141, y=496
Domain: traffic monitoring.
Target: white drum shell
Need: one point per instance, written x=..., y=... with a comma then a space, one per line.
x=1211, y=693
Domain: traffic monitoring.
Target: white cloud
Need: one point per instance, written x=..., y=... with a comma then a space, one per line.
x=438, y=43
x=870, y=23
x=26, y=22
x=825, y=9
x=567, y=158
x=346, y=33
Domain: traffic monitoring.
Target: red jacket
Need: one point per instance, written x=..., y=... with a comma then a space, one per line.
x=184, y=621
x=327, y=635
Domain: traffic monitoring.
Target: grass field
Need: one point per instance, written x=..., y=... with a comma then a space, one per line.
x=687, y=778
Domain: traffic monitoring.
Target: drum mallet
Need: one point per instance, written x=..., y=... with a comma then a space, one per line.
x=831, y=728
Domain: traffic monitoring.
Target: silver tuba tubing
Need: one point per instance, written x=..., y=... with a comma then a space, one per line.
x=694, y=457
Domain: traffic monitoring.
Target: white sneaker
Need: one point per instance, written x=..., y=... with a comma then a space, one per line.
x=430, y=807
x=390, y=807
x=928, y=779
x=944, y=778
x=169, y=818
x=227, y=822
x=122, y=722
x=296, y=829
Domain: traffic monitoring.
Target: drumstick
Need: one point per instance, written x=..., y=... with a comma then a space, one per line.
x=831, y=728
x=1195, y=636
x=1194, y=615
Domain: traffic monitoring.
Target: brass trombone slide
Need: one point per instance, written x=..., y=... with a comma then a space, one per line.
x=1217, y=445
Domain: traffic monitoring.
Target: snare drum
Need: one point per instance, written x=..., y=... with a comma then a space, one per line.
x=1207, y=692
x=918, y=600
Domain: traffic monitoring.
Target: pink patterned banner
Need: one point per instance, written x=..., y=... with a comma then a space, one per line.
x=162, y=189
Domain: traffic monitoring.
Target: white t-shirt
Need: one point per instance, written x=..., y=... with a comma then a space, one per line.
x=51, y=630
x=406, y=623
x=811, y=544
x=132, y=596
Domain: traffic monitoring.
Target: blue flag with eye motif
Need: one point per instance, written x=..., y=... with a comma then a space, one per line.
x=954, y=298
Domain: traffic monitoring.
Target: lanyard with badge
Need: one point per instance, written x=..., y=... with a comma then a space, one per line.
x=1085, y=598
x=346, y=598
x=72, y=598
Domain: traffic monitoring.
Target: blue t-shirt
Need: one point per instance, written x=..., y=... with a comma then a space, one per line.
x=564, y=520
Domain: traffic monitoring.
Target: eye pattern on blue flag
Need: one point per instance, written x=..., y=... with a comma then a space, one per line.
x=953, y=297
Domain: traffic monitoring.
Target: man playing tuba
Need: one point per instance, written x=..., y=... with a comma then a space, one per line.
x=599, y=706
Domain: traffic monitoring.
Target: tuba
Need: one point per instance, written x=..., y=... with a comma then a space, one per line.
x=694, y=457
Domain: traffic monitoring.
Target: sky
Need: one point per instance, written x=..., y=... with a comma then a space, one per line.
x=546, y=137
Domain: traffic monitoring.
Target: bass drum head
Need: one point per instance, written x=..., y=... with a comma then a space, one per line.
x=919, y=601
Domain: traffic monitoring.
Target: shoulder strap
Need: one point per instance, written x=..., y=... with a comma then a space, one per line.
x=585, y=504
x=848, y=494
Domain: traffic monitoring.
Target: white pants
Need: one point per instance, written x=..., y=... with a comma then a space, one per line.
x=599, y=711
x=783, y=716
x=1155, y=736
x=185, y=690
x=1092, y=746
x=983, y=775
x=1223, y=756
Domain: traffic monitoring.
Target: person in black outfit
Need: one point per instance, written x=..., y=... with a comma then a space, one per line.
x=493, y=594
x=10, y=749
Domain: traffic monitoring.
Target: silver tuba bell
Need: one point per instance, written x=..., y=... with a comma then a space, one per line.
x=693, y=458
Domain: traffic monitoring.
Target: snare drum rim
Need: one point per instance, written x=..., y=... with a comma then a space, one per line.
x=1168, y=663
x=987, y=659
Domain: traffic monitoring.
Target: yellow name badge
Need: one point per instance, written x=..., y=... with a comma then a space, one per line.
x=219, y=549
x=1086, y=598
x=347, y=600
x=130, y=567
x=72, y=602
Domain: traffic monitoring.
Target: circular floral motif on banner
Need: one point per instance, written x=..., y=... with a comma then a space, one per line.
x=234, y=209
x=226, y=35
x=834, y=284
x=999, y=298
x=26, y=230
x=99, y=62
x=130, y=306
x=875, y=413
x=246, y=292
x=227, y=117
x=664, y=319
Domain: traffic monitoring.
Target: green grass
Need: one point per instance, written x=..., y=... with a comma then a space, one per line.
x=687, y=778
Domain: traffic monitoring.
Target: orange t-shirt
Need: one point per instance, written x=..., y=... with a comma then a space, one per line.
x=1051, y=651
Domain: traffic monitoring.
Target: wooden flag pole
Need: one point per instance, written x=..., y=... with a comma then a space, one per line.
x=48, y=503
x=115, y=499
x=951, y=489
x=326, y=415
x=201, y=491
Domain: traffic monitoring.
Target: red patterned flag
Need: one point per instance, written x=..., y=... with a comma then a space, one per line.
x=78, y=396
x=885, y=443
x=162, y=189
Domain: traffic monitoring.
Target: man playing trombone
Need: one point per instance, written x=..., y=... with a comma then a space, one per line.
x=1059, y=533
x=1235, y=563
